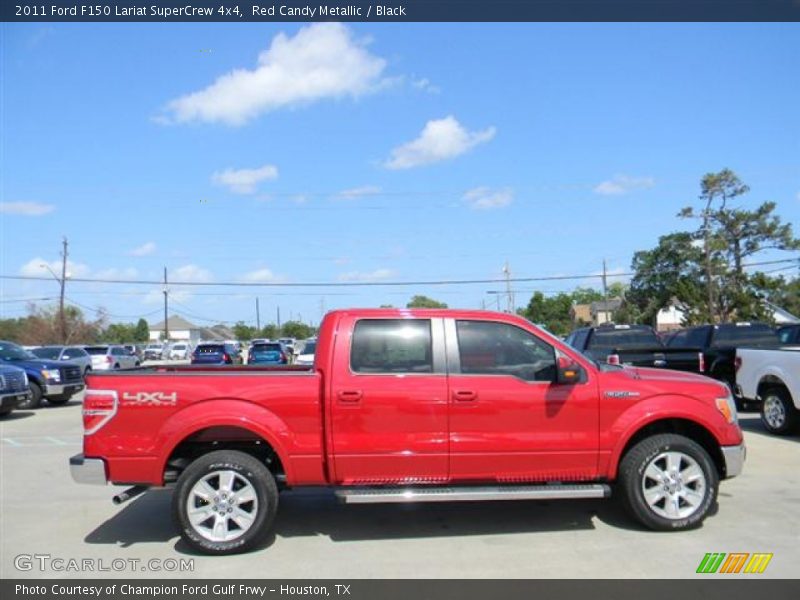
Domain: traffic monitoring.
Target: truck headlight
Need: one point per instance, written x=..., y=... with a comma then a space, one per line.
x=53, y=374
x=727, y=406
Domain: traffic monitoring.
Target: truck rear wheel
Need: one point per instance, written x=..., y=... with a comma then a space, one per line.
x=778, y=414
x=225, y=502
x=668, y=482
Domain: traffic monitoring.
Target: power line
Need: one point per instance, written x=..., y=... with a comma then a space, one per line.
x=345, y=284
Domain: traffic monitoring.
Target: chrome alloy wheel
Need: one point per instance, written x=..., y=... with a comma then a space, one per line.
x=222, y=506
x=673, y=485
x=774, y=412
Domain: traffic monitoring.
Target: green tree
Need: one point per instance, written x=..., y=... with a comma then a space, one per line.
x=673, y=269
x=270, y=331
x=297, y=330
x=553, y=312
x=244, y=332
x=142, y=331
x=583, y=295
x=425, y=302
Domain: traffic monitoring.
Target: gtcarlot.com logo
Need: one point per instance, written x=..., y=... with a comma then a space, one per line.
x=735, y=562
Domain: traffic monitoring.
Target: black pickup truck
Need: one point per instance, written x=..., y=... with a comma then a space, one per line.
x=636, y=345
x=718, y=344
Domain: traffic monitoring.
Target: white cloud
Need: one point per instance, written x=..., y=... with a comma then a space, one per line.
x=322, y=61
x=37, y=267
x=259, y=276
x=26, y=209
x=144, y=250
x=423, y=84
x=376, y=275
x=623, y=184
x=484, y=198
x=440, y=139
x=191, y=273
x=358, y=192
x=244, y=181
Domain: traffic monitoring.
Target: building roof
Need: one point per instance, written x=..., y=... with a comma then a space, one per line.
x=175, y=323
x=606, y=305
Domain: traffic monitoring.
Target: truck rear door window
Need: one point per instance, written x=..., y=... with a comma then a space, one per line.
x=487, y=348
x=392, y=346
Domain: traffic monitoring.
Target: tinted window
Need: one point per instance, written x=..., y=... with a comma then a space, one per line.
x=605, y=340
x=789, y=335
x=757, y=335
x=309, y=348
x=74, y=353
x=500, y=349
x=689, y=338
x=677, y=339
x=267, y=348
x=392, y=346
x=48, y=353
x=210, y=349
x=97, y=350
x=579, y=339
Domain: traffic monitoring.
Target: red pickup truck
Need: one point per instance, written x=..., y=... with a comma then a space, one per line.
x=411, y=406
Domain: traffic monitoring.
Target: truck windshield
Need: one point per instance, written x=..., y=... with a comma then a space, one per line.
x=755, y=335
x=48, y=353
x=13, y=352
x=627, y=339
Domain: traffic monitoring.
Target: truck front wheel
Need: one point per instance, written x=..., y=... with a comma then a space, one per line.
x=668, y=482
x=778, y=414
x=225, y=502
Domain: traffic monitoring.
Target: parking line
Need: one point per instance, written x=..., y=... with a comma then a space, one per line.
x=12, y=442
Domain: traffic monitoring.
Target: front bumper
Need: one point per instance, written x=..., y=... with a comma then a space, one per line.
x=87, y=470
x=12, y=399
x=734, y=459
x=61, y=389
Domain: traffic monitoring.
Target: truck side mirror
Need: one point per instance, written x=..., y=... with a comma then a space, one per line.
x=568, y=372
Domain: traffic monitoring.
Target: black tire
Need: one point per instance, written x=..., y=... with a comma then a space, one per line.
x=87, y=371
x=778, y=414
x=249, y=469
x=632, y=480
x=58, y=400
x=35, y=400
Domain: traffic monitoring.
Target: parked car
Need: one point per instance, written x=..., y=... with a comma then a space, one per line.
x=180, y=351
x=771, y=378
x=288, y=343
x=305, y=354
x=216, y=353
x=789, y=334
x=269, y=353
x=719, y=343
x=14, y=388
x=135, y=350
x=54, y=380
x=74, y=354
x=111, y=358
x=636, y=345
x=412, y=406
x=153, y=352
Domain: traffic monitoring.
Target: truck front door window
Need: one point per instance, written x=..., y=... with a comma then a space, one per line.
x=487, y=348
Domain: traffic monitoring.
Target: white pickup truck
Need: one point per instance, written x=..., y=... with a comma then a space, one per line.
x=771, y=377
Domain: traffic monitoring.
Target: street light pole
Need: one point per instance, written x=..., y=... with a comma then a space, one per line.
x=62, y=320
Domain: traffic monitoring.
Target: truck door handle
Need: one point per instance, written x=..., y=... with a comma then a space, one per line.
x=350, y=396
x=464, y=396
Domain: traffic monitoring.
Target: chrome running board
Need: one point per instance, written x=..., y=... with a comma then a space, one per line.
x=374, y=495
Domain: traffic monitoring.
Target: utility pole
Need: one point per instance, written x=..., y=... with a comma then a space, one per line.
x=509, y=293
x=61, y=319
x=166, y=294
x=605, y=283
x=279, y=319
x=258, y=316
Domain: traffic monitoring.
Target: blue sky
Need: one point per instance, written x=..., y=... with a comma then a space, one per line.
x=393, y=152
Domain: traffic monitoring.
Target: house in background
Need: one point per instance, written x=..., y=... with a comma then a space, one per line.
x=179, y=329
x=581, y=314
x=671, y=316
x=602, y=311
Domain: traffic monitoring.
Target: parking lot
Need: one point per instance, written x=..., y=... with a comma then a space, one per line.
x=44, y=512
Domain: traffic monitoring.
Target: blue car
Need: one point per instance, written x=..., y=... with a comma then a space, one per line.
x=13, y=388
x=51, y=379
x=216, y=353
x=267, y=353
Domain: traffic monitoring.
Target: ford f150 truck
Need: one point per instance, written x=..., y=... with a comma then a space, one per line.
x=772, y=378
x=411, y=406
